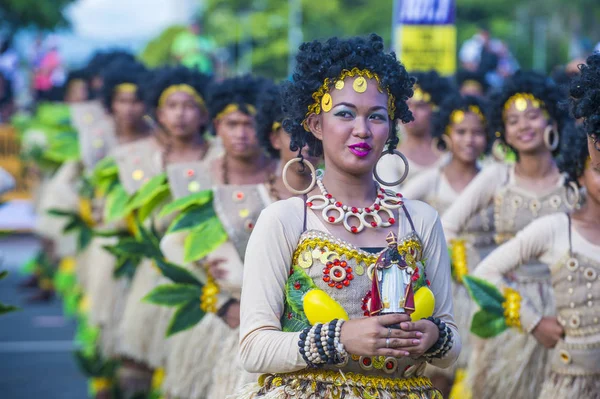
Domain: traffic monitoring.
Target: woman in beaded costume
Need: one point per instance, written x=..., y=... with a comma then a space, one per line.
x=585, y=102
x=570, y=245
x=525, y=116
x=429, y=92
x=202, y=361
x=177, y=97
x=460, y=128
x=122, y=97
x=306, y=270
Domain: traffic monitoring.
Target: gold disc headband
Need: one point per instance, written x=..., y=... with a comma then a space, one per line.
x=235, y=107
x=458, y=115
x=126, y=88
x=520, y=102
x=472, y=83
x=323, y=100
x=184, y=88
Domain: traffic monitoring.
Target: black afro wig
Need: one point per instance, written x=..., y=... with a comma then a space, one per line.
x=317, y=61
x=534, y=83
x=437, y=86
x=574, y=153
x=119, y=72
x=585, y=95
x=441, y=119
x=268, y=112
x=241, y=91
x=464, y=75
x=165, y=77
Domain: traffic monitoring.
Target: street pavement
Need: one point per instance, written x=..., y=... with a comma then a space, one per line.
x=36, y=343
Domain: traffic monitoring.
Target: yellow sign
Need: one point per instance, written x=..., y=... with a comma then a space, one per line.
x=427, y=47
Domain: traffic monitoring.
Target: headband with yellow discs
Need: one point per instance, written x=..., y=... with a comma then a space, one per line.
x=126, y=88
x=458, y=115
x=183, y=87
x=521, y=102
x=231, y=108
x=324, y=102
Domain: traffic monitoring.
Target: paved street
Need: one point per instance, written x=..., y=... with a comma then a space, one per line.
x=36, y=358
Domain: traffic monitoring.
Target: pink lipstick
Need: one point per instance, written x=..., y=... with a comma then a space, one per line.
x=361, y=150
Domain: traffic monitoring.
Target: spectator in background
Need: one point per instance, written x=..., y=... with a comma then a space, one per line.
x=50, y=72
x=194, y=50
x=7, y=107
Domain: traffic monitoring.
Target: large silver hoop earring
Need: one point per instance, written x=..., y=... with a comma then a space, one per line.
x=401, y=179
x=313, y=174
x=572, y=195
x=499, y=150
x=551, y=138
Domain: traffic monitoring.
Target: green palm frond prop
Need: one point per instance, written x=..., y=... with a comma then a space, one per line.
x=489, y=321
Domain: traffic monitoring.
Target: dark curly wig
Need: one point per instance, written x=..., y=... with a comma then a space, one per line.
x=165, y=77
x=463, y=76
x=574, y=154
x=102, y=59
x=585, y=95
x=441, y=119
x=536, y=84
x=268, y=112
x=239, y=90
x=317, y=61
x=434, y=84
x=119, y=72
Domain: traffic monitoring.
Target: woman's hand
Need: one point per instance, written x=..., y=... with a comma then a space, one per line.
x=548, y=332
x=372, y=336
x=430, y=333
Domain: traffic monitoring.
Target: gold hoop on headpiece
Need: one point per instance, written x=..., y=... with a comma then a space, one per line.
x=401, y=179
x=551, y=138
x=572, y=192
x=499, y=150
x=313, y=173
x=437, y=141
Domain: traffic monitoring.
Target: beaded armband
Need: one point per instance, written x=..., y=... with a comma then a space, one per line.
x=320, y=344
x=444, y=342
x=512, y=308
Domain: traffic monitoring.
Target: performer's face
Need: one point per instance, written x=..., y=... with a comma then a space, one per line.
x=594, y=150
x=591, y=180
x=280, y=140
x=127, y=109
x=237, y=130
x=181, y=115
x=421, y=111
x=468, y=139
x=524, y=130
x=355, y=130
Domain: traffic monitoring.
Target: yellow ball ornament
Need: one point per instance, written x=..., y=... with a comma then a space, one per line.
x=321, y=308
x=424, y=304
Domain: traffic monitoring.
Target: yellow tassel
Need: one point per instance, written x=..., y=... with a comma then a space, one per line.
x=512, y=308
x=131, y=224
x=208, y=300
x=157, y=378
x=84, y=304
x=67, y=264
x=459, y=259
x=460, y=389
x=85, y=211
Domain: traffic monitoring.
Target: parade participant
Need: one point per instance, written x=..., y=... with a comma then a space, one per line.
x=241, y=181
x=570, y=245
x=177, y=95
x=459, y=127
x=471, y=83
x=76, y=86
x=416, y=141
x=98, y=63
x=524, y=116
x=585, y=102
x=310, y=261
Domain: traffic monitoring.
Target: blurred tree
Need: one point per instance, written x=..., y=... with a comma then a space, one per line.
x=158, y=51
x=40, y=14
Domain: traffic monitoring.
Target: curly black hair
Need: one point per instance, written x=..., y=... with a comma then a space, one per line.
x=268, y=112
x=165, y=77
x=437, y=86
x=536, y=84
x=102, y=59
x=119, y=72
x=317, y=61
x=573, y=154
x=441, y=118
x=585, y=95
x=464, y=75
x=240, y=90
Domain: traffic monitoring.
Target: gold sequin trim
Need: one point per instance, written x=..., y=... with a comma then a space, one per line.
x=512, y=308
x=458, y=253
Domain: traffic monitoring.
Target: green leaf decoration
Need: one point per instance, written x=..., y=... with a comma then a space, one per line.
x=486, y=295
x=85, y=237
x=7, y=308
x=187, y=316
x=61, y=213
x=487, y=325
x=159, y=199
x=199, y=198
x=129, y=246
x=3, y=274
x=147, y=192
x=151, y=238
x=177, y=274
x=204, y=239
x=126, y=266
x=295, y=296
x=173, y=294
x=191, y=217
x=116, y=203
x=293, y=322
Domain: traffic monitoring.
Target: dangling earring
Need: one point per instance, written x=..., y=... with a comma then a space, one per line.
x=572, y=192
x=391, y=151
x=551, y=142
x=437, y=142
x=313, y=173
